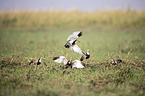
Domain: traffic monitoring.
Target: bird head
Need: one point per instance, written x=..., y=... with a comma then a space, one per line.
x=66, y=45
x=40, y=59
x=69, y=62
x=88, y=51
x=87, y=54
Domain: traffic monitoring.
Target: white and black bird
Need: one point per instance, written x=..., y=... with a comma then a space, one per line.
x=72, y=39
x=61, y=59
x=75, y=63
x=86, y=56
x=38, y=61
x=116, y=61
x=71, y=42
x=75, y=35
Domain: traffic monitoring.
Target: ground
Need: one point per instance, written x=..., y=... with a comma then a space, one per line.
x=99, y=77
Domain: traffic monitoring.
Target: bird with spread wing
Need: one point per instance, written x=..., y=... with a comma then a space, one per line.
x=75, y=63
x=71, y=42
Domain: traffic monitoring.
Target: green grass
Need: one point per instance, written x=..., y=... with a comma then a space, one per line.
x=19, y=45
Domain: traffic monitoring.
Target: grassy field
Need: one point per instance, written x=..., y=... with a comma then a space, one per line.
x=19, y=45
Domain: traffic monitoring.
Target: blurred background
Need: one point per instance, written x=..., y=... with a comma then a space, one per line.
x=48, y=13
x=67, y=5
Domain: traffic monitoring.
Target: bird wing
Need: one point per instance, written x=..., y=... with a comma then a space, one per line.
x=77, y=63
x=70, y=37
x=76, y=49
x=75, y=35
x=78, y=33
x=60, y=59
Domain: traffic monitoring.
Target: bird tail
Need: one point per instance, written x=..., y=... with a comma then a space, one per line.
x=54, y=58
x=82, y=58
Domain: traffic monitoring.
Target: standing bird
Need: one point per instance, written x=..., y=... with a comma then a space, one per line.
x=75, y=63
x=38, y=61
x=71, y=42
x=86, y=56
x=116, y=61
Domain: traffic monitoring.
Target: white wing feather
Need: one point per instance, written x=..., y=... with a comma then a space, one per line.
x=76, y=49
x=70, y=37
x=77, y=64
x=61, y=59
x=73, y=36
x=76, y=33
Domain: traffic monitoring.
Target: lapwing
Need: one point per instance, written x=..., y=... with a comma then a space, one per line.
x=86, y=56
x=72, y=39
x=116, y=61
x=61, y=59
x=75, y=63
x=38, y=61
x=71, y=42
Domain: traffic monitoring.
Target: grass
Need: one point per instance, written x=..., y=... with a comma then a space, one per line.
x=41, y=19
x=18, y=46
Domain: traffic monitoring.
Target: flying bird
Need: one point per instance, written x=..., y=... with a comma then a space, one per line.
x=75, y=63
x=71, y=42
x=38, y=61
x=86, y=56
x=72, y=39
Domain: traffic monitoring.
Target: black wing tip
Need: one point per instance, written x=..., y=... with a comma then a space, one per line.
x=80, y=34
x=119, y=60
x=54, y=58
x=81, y=59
